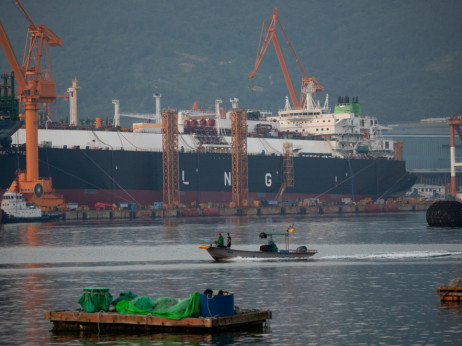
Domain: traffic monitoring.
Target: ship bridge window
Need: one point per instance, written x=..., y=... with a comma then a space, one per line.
x=362, y=123
x=387, y=145
x=372, y=122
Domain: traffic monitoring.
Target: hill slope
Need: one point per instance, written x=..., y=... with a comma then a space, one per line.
x=402, y=58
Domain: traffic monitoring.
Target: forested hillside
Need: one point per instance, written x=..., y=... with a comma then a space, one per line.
x=402, y=58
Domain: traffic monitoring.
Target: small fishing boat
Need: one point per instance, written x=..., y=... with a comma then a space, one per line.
x=267, y=251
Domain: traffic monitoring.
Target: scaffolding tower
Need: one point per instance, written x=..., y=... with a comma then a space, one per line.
x=239, y=174
x=287, y=168
x=170, y=159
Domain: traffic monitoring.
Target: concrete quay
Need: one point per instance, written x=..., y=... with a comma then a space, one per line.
x=249, y=211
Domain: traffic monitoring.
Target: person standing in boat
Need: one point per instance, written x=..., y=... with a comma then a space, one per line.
x=221, y=241
x=228, y=241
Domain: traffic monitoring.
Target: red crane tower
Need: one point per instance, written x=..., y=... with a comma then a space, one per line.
x=35, y=86
x=268, y=34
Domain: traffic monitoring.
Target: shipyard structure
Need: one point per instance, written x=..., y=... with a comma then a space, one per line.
x=307, y=151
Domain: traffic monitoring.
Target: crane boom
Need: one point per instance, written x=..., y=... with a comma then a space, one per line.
x=309, y=84
x=24, y=12
x=271, y=36
x=9, y=52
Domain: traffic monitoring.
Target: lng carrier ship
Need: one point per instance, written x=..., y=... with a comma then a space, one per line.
x=348, y=160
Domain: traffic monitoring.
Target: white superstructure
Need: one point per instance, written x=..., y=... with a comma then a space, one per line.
x=351, y=132
x=14, y=204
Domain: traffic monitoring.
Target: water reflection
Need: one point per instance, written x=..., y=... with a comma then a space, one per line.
x=373, y=281
x=165, y=339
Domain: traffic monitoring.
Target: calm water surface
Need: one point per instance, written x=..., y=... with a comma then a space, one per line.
x=373, y=281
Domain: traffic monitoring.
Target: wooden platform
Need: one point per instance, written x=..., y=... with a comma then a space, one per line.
x=450, y=294
x=78, y=321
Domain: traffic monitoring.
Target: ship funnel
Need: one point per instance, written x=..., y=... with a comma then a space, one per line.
x=157, y=96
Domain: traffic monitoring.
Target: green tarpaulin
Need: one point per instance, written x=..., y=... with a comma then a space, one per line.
x=167, y=307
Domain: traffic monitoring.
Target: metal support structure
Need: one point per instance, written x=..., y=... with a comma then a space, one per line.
x=239, y=174
x=157, y=96
x=288, y=164
x=454, y=125
x=72, y=92
x=287, y=169
x=118, y=114
x=170, y=159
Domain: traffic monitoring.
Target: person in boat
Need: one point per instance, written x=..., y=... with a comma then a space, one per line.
x=272, y=245
x=220, y=241
x=228, y=241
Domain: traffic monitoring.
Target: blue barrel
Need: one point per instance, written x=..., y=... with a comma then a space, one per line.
x=217, y=305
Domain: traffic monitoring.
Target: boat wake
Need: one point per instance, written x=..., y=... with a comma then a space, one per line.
x=252, y=259
x=393, y=255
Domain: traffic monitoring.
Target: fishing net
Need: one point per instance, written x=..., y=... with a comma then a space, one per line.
x=167, y=307
x=143, y=303
x=457, y=282
x=124, y=296
x=95, y=299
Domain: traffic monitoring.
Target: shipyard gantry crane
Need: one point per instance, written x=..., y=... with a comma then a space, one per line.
x=239, y=173
x=310, y=85
x=35, y=86
x=287, y=168
x=170, y=159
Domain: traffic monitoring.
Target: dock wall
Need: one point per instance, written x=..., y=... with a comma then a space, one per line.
x=249, y=211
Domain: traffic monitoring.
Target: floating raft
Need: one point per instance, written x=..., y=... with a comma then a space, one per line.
x=72, y=321
x=450, y=294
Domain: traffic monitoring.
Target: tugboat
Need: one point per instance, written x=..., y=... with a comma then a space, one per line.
x=15, y=209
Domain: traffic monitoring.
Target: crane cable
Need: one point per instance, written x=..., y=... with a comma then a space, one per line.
x=111, y=178
x=346, y=180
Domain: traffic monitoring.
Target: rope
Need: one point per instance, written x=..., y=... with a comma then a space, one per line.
x=186, y=143
x=267, y=146
x=71, y=175
x=208, y=307
x=346, y=180
x=121, y=135
x=78, y=315
x=393, y=185
x=146, y=321
x=111, y=178
x=99, y=314
x=99, y=139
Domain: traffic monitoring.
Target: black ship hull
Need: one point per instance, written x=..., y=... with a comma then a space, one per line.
x=87, y=176
x=7, y=128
